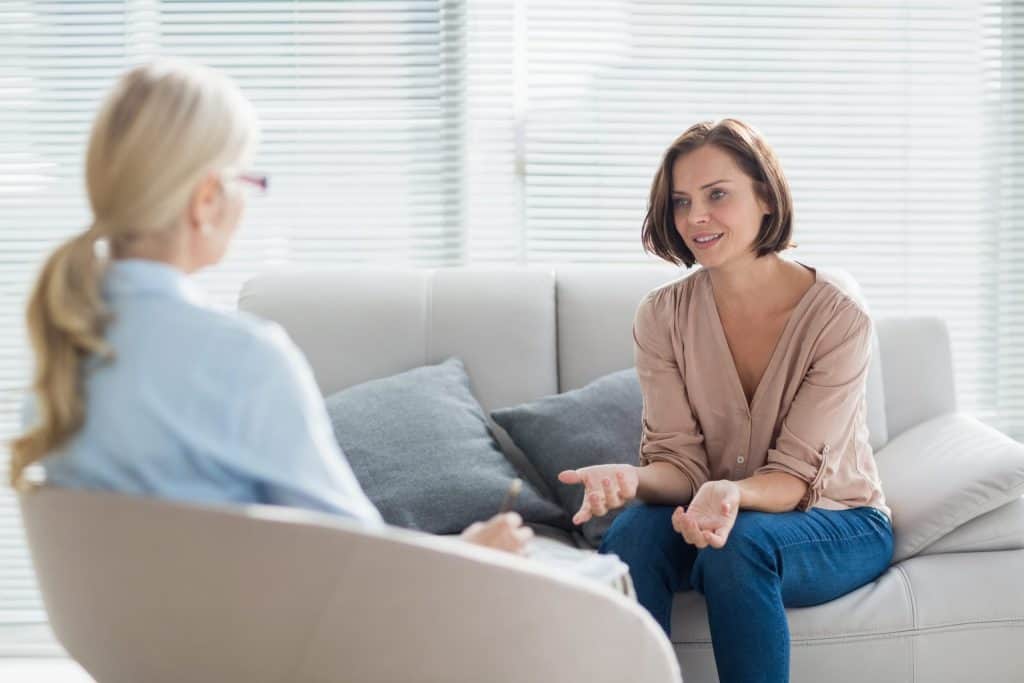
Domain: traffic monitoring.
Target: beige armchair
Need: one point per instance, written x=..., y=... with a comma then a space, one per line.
x=146, y=590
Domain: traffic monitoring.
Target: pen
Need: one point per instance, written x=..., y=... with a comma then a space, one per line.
x=514, y=488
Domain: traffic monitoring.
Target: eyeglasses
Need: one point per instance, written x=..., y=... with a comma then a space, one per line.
x=260, y=181
x=257, y=182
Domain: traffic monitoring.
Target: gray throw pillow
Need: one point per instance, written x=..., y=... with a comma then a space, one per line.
x=595, y=425
x=420, y=446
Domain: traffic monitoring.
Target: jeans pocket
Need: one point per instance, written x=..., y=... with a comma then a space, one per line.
x=881, y=518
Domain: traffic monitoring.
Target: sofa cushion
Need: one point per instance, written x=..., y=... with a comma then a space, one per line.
x=942, y=474
x=420, y=446
x=937, y=618
x=595, y=425
x=1001, y=529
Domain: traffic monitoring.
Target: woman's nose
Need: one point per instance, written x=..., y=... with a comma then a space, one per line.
x=697, y=215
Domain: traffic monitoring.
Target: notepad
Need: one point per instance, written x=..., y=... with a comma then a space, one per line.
x=607, y=570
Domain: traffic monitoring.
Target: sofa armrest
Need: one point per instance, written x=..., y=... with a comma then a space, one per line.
x=942, y=474
x=136, y=588
x=474, y=615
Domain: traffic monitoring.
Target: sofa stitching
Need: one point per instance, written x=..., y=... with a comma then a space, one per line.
x=914, y=615
x=429, y=313
x=316, y=625
x=558, y=339
x=1013, y=622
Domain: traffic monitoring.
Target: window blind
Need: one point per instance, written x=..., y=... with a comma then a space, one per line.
x=509, y=131
x=1004, y=166
x=877, y=111
x=360, y=105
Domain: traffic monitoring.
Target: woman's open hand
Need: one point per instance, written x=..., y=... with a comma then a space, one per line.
x=606, y=487
x=710, y=516
x=501, y=532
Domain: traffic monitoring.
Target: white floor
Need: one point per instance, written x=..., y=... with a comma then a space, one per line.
x=42, y=670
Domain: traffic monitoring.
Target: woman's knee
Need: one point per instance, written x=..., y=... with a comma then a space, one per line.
x=745, y=557
x=638, y=531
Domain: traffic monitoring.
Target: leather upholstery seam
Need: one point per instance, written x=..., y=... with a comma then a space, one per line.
x=429, y=313
x=828, y=639
x=316, y=625
x=558, y=339
x=914, y=616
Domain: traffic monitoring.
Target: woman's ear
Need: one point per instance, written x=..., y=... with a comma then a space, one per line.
x=207, y=203
x=763, y=196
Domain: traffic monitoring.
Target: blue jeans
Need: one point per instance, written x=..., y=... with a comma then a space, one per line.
x=769, y=562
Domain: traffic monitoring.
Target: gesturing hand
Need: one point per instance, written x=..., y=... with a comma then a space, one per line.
x=711, y=514
x=607, y=487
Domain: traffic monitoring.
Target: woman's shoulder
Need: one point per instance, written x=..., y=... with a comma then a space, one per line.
x=244, y=339
x=664, y=308
x=840, y=306
x=666, y=298
x=842, y=289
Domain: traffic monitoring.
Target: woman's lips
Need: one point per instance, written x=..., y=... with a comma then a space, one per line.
x=706, y=240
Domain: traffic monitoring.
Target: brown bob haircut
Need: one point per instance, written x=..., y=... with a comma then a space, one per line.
x=756, y=159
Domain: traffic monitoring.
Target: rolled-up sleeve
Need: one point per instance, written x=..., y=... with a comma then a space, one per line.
x=670, y=431
x=822, y=417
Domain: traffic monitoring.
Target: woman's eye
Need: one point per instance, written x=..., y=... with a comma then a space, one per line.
x=683, y=202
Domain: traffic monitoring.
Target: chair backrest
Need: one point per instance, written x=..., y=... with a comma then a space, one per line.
x=529, y=332
x=145, y=590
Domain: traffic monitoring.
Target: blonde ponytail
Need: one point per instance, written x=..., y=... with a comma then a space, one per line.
x=66, y=319
x=163, y=127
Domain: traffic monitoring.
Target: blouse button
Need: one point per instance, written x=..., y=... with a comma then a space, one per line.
x=740, y=460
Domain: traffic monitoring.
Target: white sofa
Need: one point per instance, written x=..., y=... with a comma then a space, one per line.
x=954, y=611
x=166, y=592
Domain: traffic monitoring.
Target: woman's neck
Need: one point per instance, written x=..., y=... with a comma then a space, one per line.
x=749, y=279
x=757, y=285
x=166, y=248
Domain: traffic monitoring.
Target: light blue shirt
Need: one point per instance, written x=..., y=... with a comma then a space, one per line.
x=202, y=405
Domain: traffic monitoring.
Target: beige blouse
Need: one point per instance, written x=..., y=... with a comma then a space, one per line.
x=807, y=416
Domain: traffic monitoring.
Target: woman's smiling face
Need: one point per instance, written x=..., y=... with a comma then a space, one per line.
x=717, y=212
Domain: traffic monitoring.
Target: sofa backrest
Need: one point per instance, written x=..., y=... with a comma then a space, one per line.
x=360, y=324
x=525, y=333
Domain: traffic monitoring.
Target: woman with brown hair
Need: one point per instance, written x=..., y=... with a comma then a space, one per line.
x=759, y=485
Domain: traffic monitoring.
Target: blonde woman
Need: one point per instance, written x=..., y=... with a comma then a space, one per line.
x=142, y=387
x=759, y=484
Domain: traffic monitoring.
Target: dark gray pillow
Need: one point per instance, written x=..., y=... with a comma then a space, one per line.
x=595, y=425
x=420, y=446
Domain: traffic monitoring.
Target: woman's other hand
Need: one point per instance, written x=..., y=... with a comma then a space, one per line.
x=710, y=516
x=606, y=487
x=501, y=532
